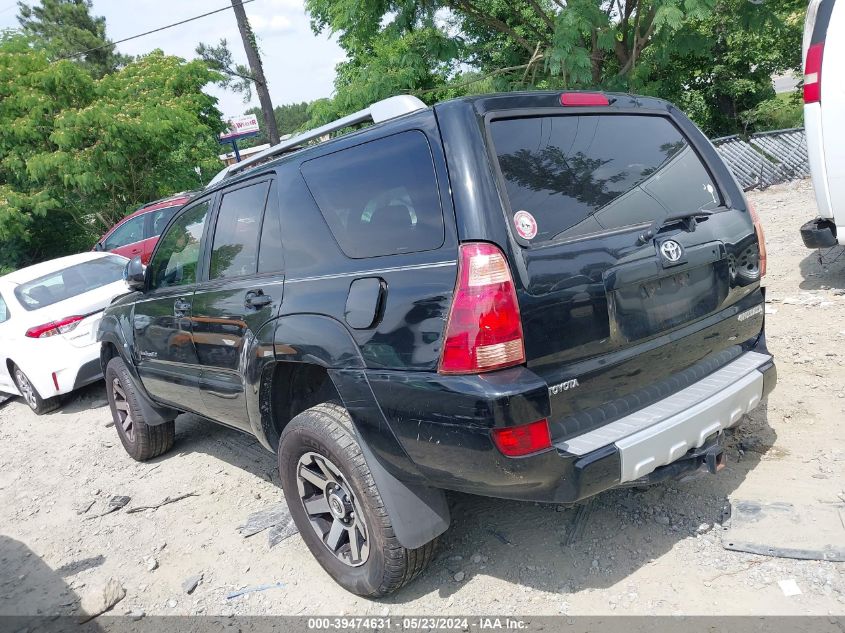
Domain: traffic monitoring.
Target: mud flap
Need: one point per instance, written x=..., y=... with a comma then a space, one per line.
x=419, y=513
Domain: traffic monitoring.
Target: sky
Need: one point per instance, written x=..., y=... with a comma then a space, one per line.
x=298, y=65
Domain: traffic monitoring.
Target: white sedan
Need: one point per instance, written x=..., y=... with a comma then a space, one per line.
x=49, y=314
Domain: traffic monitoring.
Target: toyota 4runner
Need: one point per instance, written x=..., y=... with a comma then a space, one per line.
x=534, y=296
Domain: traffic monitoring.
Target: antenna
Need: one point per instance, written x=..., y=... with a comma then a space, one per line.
x=379, y=111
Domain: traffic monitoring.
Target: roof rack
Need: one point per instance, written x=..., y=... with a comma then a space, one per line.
x=379, y=111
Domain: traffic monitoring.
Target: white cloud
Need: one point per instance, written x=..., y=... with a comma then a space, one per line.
x=272, y=24
x=291, y=5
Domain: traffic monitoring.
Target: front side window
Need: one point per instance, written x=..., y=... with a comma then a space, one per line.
x=380, y=197
x=177, y=256
x=129, y=232
x=235, y=250
x=70, y=282
x=4, y=310
x=578, y=175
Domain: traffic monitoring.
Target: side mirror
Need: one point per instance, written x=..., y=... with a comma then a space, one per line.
x=98, y=247
x=135, y=274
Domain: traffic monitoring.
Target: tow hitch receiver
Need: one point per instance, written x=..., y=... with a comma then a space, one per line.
x=715, y=460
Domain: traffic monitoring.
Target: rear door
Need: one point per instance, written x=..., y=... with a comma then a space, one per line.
x=165, y=353
x=242, y=292
x=612, y=295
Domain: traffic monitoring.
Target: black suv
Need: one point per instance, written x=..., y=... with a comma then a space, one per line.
x=534, y=296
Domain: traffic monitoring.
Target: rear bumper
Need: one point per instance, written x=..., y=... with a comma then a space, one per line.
x=669, y=438
x=74, y=367
x=669, y=429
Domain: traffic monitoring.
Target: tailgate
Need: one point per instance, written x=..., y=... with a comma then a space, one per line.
x=634, y=275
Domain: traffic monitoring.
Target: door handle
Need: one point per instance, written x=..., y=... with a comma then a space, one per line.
x=180, y=307
x=257, y=299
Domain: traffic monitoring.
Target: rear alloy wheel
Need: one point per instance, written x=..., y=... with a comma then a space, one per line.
x=331, y=508
x=141, y=440
x=31, y=396
x=336, y=505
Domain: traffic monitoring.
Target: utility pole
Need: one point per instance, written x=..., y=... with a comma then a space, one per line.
x=257, y=71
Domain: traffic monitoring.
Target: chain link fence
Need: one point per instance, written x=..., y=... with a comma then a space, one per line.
x=766, y=158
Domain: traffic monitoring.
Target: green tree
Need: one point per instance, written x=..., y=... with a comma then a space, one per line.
x=440, y=48
x=77, y=153
x=720, y=69
x=65, y=28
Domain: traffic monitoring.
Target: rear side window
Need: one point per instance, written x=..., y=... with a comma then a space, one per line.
x=70, y=282
x=381, y=197
x=235, y=250
x=4, y=310
x=578, y=175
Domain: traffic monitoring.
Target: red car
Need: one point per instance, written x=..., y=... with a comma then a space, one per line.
x=137, y=234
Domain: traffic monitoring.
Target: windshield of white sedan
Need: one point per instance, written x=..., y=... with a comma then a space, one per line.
x=70, y=282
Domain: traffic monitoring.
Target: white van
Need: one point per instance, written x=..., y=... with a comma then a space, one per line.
x=824, y=104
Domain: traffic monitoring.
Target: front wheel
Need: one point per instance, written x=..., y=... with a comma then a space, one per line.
x=337, y=507
x=141, y=440
x=30, y=394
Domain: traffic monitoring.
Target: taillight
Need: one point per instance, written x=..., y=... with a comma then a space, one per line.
x=484, y=331
x=813, y=74
x=62, y=326
x=583, y=99
x=761, y=237
x=517, y=441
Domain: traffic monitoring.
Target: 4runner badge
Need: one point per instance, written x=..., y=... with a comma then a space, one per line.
x=564, y=386
x=671, y=251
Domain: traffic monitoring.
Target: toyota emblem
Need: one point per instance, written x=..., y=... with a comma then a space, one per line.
x=671, y=251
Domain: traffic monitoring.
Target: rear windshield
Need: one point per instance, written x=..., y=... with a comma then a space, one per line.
x=70, y=282
x=576, y=175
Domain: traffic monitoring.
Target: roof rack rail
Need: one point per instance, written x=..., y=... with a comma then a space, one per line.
x=379, y=111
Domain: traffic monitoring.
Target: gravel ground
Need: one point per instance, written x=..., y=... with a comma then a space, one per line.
x=651, y=551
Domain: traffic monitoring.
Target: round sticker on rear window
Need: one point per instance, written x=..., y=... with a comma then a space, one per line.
x=525, y=225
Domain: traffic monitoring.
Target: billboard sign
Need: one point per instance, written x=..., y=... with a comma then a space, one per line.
x=240, y=127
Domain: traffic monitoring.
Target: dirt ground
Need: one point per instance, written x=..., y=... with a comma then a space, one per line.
x=652, y=551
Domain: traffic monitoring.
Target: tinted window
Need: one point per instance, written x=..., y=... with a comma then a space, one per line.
x=4, y=311
x=379, y=198
x=270, y=255
x=159, y=220
x=235, y=251
x=176, y=258
x=129, y=232
x=70, y=282
x=584, y=174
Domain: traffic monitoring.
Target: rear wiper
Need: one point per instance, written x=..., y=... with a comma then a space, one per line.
x=688, y=216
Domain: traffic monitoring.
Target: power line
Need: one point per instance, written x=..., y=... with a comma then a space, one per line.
x=161, y=28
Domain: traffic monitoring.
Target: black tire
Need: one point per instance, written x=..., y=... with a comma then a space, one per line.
x=30, y=394
x=141, y=440
x=326, y=430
